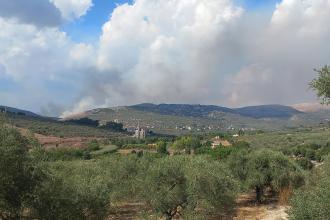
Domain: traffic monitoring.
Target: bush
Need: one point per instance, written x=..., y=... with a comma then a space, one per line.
x=162, y=148
x=188, y=144
x=19, y=176
x=264, y=169
x=274, y=170
x=304, y=163
x=181, y=185
x=219, y=152
x=73, y=190
x=313, y=200
x=93, y=145
x=62, y=153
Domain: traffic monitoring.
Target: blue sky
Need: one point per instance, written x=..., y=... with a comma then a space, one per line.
x=89, y=27
x=257, y=4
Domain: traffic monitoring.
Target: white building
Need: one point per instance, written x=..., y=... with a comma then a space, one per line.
x=140, y=133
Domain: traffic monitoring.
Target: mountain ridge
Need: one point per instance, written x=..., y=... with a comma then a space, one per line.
x=183, y=118
x=195, y=110
x=18, y=111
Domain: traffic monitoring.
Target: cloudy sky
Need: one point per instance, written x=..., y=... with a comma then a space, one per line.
x=64, y=56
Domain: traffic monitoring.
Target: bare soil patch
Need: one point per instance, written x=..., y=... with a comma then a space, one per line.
x=53, y=142
x=247, y=209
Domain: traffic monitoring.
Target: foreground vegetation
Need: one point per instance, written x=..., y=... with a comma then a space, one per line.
x=195, y=184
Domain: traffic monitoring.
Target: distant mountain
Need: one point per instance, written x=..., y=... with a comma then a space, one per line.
x=268, y=111
x=185, y=118
x=18, y=111
x=262, y=111
x=182, y=109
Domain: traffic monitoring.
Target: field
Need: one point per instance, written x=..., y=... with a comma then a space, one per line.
x=52, y=127
x=289, y=138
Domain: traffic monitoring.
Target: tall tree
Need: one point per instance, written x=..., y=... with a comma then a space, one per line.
x=18, y=174
x=321, y=84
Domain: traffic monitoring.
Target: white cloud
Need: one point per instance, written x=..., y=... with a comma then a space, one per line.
x=72, y=9
x=303, y=17
x=288, y=49
x=41, y=13
x=210, y=51
x=178, y=51
x=38, y=62
x=167, y=50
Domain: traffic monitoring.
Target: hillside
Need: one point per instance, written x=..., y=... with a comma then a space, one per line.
x=17, y=111
x=174, y=119
x=268, y=111
x=184, y=118
x=262, y=111
x=51, y=127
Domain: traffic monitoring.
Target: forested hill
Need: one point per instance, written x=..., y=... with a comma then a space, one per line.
x=183, y=118
x=17, y=111
x=262, y=111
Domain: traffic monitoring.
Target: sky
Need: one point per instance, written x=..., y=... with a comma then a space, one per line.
x=60, y=57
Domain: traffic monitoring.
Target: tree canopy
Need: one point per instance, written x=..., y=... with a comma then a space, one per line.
x=19, y=176
x=313, y=200
x=321, y=84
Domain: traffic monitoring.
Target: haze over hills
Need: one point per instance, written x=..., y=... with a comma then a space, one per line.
x=310, y=107
x=183, y=118
x=172, y=118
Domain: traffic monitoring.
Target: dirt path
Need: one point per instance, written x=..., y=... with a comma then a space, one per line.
x=246, y=210
x=270, y=210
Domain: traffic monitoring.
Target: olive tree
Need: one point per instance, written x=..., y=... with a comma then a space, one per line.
x=19, y=176
x=188, y=144
x=73, y=190
x=183, y=185
x=313, y=200
x=271, y=169
x=265, y=169
x=321, y=84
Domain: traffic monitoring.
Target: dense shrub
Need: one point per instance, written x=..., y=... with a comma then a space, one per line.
x=312, y=202
x=264, y=169
x=73, y=190
x=184, y=185
x=114, y=126
x=162, y=148
x=19, y=176
x=219, y=152
x=188, y=144
x=84, y=121
x=55, y=154
x=93, y=145
x=304, y=163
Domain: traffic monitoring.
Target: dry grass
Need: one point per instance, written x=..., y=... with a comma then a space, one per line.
x=284, y=196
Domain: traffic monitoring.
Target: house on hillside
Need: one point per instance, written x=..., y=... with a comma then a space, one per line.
x=217, y=141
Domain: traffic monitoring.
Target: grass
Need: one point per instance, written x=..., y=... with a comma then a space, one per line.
x=105, y=150
x=51, y=127
x=288, y=138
